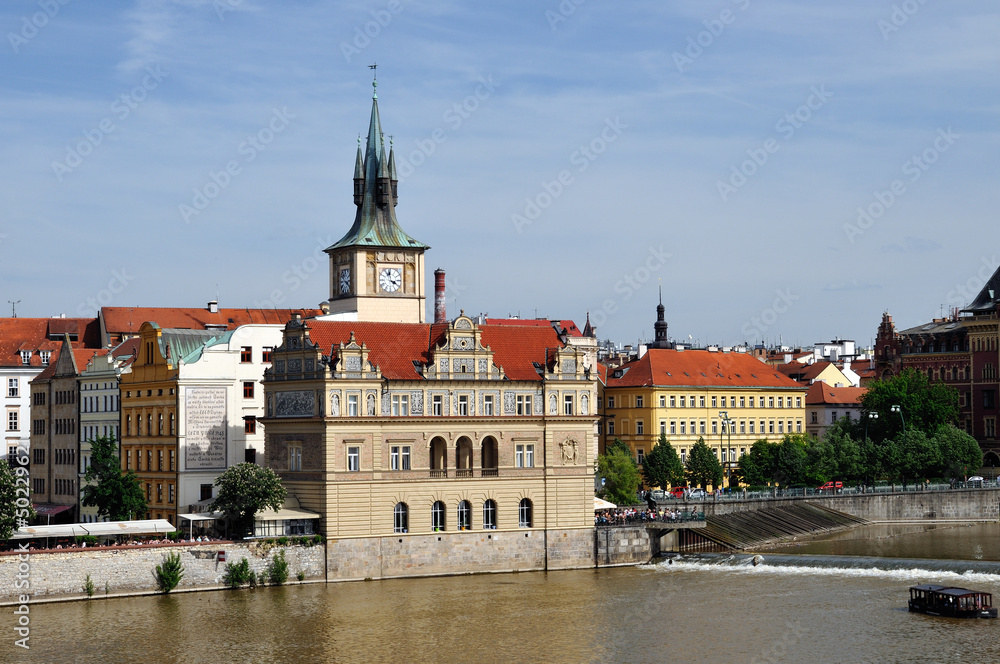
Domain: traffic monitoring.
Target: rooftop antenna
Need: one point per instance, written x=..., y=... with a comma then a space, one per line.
x=13, y=310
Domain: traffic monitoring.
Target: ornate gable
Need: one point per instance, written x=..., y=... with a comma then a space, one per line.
x=462, y=356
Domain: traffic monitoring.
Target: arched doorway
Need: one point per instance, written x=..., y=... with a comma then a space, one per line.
x=463, y=457
x=489, y=457
x=439, y=457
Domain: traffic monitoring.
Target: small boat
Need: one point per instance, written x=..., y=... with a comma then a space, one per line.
x=951, y=602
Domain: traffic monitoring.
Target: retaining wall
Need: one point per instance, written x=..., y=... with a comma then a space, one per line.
x=625, y=545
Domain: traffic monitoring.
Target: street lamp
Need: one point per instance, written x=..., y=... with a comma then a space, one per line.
x=869, y=416
x=727, y=426
x=897, y=409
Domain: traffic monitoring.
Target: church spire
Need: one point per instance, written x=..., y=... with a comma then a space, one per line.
x=660, y=326
x=375, y=193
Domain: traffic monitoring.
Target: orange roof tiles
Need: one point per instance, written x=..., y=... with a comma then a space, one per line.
x=697, y=368
x=35, y=334
x=821, y=393
x=127, y=320
x=394, y=347
x=568, y=325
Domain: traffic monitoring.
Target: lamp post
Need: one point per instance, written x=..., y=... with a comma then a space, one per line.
x=869, y=416
x=897, y=409
x=727, y=428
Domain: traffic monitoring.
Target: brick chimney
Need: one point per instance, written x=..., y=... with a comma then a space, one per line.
x=440, y=312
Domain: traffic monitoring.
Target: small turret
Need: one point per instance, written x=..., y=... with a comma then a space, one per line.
x=359, y=177
x=393, y=178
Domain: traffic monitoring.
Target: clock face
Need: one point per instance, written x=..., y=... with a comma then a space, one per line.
x=390, y=280
x=345, y=281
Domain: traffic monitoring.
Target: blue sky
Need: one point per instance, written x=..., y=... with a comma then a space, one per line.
x=786, y=169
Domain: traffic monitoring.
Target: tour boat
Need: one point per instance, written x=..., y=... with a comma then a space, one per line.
x=951, y=602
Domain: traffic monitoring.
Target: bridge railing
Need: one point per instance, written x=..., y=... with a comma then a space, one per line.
x=621, y=518
x=798, y=492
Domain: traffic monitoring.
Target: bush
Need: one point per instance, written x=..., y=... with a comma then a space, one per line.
x=89, y=540
x=88, y=586
x=282, y=541
x=301, y=576
x=237, y=574
x=277, y=570
x=170, y=573
x=317, y=538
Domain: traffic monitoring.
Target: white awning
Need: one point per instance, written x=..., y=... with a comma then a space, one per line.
x=284, y=513
x=100, y=529
x=600, y=504
x=202, y=516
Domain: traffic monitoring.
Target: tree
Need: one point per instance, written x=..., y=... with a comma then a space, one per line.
x=959, y=453
x=703, y=468
x=619, y=445
x=621, y=476
x=756, y=467
x=117, y=495
x=244, y=490
x=14, y=508
x=662, y=467
x=924, y=405
x=844, y=452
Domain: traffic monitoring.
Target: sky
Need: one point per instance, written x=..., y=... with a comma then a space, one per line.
x=784, y=171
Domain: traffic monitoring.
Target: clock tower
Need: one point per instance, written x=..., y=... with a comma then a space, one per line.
x=376, y=269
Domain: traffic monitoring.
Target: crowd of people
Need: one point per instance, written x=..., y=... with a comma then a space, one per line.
x=622, y=516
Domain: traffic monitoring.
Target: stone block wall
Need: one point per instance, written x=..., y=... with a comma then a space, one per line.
x=131, y=569
x=625, y=546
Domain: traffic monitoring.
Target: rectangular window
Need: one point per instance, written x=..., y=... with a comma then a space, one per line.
x=159, y=424
x=673, y=427
x=38, y=455
x=701, y=402
x=248, y=389
x=159, y=492
x=751, y=426
x=149, y=492
x=640, y=455
x=488, y=404
x=743, y=401
x=781, y=426
x=611, y=427
x=798, y=426
x=206, y=492
x=246, y=354
x=294, y=457
x=638, y=402
x=683, y=427
x=683, y=403
x=611, y=402
x=463, y=405
x=437, y=407
x=638, y=427
x=13, y=422
x=743, y=426
x=724, y=455
x=781, y=402
x=523, y=404
x=762, y=402
x=798, y=402
x=989, y=399
x=663, y=401
x=770, y=402
x=701, y=427
x=159, y=465
x=399, y=457
x=663, y=427
x=401, y=404
x=353, y=458
x=715, y=426
x=173, y=459
x=770, y=426
x=265, y=353
x=352, y=405
x=524, y=456
x=714, y=400
x=13, y=387
x=170, y=493
x=250, y=424
x=990, y=427
x=673, y=401
x=568, y=404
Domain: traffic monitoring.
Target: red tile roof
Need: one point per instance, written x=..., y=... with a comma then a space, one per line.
x=821, y=393
x=697, y=368
x=803, y=372
x=81, y=355
x=568, y=325
x=395, y=346
x=37, y=334
x=127, y=320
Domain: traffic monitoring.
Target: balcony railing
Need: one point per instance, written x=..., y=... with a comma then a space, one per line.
x=491, y=472
x=463, y=472
x=439, y=473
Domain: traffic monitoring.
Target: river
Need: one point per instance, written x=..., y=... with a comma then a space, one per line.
x=839, y=599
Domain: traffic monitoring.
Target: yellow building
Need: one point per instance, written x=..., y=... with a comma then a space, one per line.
x=729, y=399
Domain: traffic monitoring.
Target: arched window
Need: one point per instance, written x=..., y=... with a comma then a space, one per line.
x=437, y=516
x=464, y=515
x=488, y=456
x=490, y=515
x=400, y=518
x=439, y=457
x=524, y=514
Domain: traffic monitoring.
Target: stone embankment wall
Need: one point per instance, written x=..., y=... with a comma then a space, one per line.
x=625, y=545
x=459, y=553
x=899, y=506
x=131, y=569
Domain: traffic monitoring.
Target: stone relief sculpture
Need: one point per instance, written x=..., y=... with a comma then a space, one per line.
x=568, y=448
x=371, y=405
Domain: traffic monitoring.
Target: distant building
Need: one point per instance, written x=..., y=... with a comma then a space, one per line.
x=825, y=404
x=807, y=374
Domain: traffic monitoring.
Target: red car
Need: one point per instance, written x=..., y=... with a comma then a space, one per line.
x=833, y=487
x=678, y=491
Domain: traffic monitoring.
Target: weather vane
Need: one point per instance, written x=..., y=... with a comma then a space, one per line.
x=374, y=69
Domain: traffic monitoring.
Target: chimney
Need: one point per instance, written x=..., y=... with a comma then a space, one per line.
x=324, y=307
x=213, y=307
x=440, y=311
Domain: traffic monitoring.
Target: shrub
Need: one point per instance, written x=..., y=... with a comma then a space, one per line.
x=277, y=570
x=301, y=575
x=283, y=541
x=170, y=573
x=237, y=574
x=317, y=538
x=89, y=540
x=88, y=586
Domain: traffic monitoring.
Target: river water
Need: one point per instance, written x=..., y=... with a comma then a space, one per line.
x=840, y=599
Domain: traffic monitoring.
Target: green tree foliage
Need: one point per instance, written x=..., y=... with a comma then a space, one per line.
x=924, y=404
x=14, y=509
x=117, y=495
x=244, y=490
x=662, y=467
x=961, y=455
x=702, y=467
x=621, y=476
x=842, y=453
x=170, y=573
x=619, y=445
x=237, y=574
x=756, y=467
x=277, y=569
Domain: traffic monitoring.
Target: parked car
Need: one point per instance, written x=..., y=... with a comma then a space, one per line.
x=678, y=491
x=975, y=481
x=696, y=494
x=831, y=487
